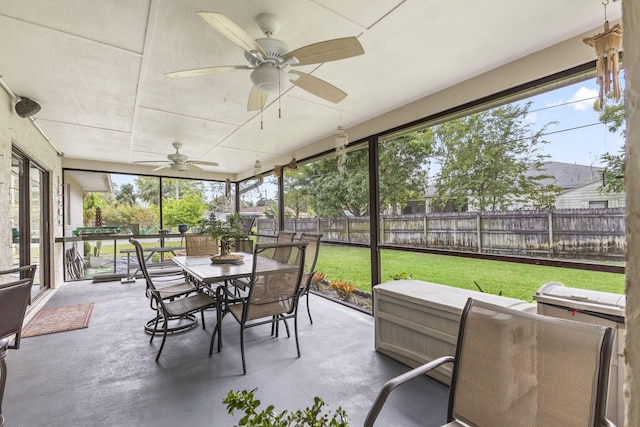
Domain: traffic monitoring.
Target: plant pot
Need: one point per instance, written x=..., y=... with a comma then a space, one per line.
x=95, y=261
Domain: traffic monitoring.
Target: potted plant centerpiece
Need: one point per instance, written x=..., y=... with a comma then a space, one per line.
x=227, y=233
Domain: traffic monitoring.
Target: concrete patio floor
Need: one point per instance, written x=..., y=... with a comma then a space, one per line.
x=106, y=374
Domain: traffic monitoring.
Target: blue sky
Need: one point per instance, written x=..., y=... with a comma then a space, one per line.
x=572, y=107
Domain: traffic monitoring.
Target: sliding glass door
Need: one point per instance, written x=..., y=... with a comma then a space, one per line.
x=29, y=218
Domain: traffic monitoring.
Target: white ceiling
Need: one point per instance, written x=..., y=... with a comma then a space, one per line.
x=97, y=67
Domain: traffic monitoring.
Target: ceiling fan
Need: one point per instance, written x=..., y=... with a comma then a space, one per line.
x=178, y=161
x=271, y=60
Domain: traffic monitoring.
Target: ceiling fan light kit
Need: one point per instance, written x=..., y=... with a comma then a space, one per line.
x=269, y=79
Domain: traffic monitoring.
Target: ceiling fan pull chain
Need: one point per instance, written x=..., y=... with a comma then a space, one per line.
x=279, y=97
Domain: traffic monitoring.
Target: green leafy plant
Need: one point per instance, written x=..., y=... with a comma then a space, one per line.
x=227, y=232
x=344, y=289
x=401, y=276
x=312, y=416
x=317, y=278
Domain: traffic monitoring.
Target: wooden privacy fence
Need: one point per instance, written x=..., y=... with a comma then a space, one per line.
x=589, y=234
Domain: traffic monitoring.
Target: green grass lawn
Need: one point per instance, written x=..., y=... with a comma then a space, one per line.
x=512, y=279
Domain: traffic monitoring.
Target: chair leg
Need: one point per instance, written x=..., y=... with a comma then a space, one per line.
x=3, y=380
x=286, y=325
x=202, y=315
x=308, y=309
x=295, y=329
x=155, y=327
x=244, y=365
x=164, y=338
x=213, y=338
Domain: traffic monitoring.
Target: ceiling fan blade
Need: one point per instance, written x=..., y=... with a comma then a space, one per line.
x=150, y=161
x=329, y=50
x=190, y=165
x=257, y=99
x=202, y=162
x=208, y=70
x=161, y=167
x=232, y=31
x=318, y=87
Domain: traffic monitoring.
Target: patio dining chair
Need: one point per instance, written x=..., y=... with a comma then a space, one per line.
x=310, y=259
x=200, y=244
x=515, y=368
x=272, y=295
x=177, y=302
x=15, y=296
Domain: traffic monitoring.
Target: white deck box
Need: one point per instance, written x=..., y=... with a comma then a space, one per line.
x=417, y=322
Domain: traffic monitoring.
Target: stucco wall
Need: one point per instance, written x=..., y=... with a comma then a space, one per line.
x=20, y=132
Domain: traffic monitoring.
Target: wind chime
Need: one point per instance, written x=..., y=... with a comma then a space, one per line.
x=607, y=46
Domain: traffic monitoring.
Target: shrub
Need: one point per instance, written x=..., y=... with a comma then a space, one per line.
x=344, y=289
x=401, y=276
x=318, y=277
x=311, y=416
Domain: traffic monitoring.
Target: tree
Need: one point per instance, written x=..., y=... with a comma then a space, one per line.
x=189, y=209
x=148, y=190
x=332, y=193
x=296, y=195
x=612, y=115
x=125, y=194
x=484, y=159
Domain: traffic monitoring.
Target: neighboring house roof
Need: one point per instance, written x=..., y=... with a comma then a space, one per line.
x=567, y=175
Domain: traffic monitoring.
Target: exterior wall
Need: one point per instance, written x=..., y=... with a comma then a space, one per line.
x=579, y=198
x=18, y=131
x=73, y=194
x=631, y=44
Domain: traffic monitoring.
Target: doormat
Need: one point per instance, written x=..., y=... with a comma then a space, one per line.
x=61, y=319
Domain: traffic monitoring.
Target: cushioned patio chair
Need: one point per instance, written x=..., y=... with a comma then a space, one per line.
x=513, y=368
x=15, y=296
x=272, y=296
x=171, y=304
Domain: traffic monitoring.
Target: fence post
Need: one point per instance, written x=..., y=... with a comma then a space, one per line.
x=317, y=225
x=382, y=230
x=424, y=229
x=346, y=225
x=551, y=245
x=478, y=232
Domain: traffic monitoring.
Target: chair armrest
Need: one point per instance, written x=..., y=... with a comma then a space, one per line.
x=399, y=380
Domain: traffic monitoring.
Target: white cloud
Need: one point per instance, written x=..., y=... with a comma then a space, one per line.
x=554, y=103
x=531, y=117
x=584, y=98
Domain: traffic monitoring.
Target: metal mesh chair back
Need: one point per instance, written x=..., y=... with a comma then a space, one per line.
x=244, y=245
x=15, y=296
x=200, y=244
x=274, y=290
x=285, y=236
x=310, y=255
x=281, y=254
x=143, y=264
x=517, y=368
